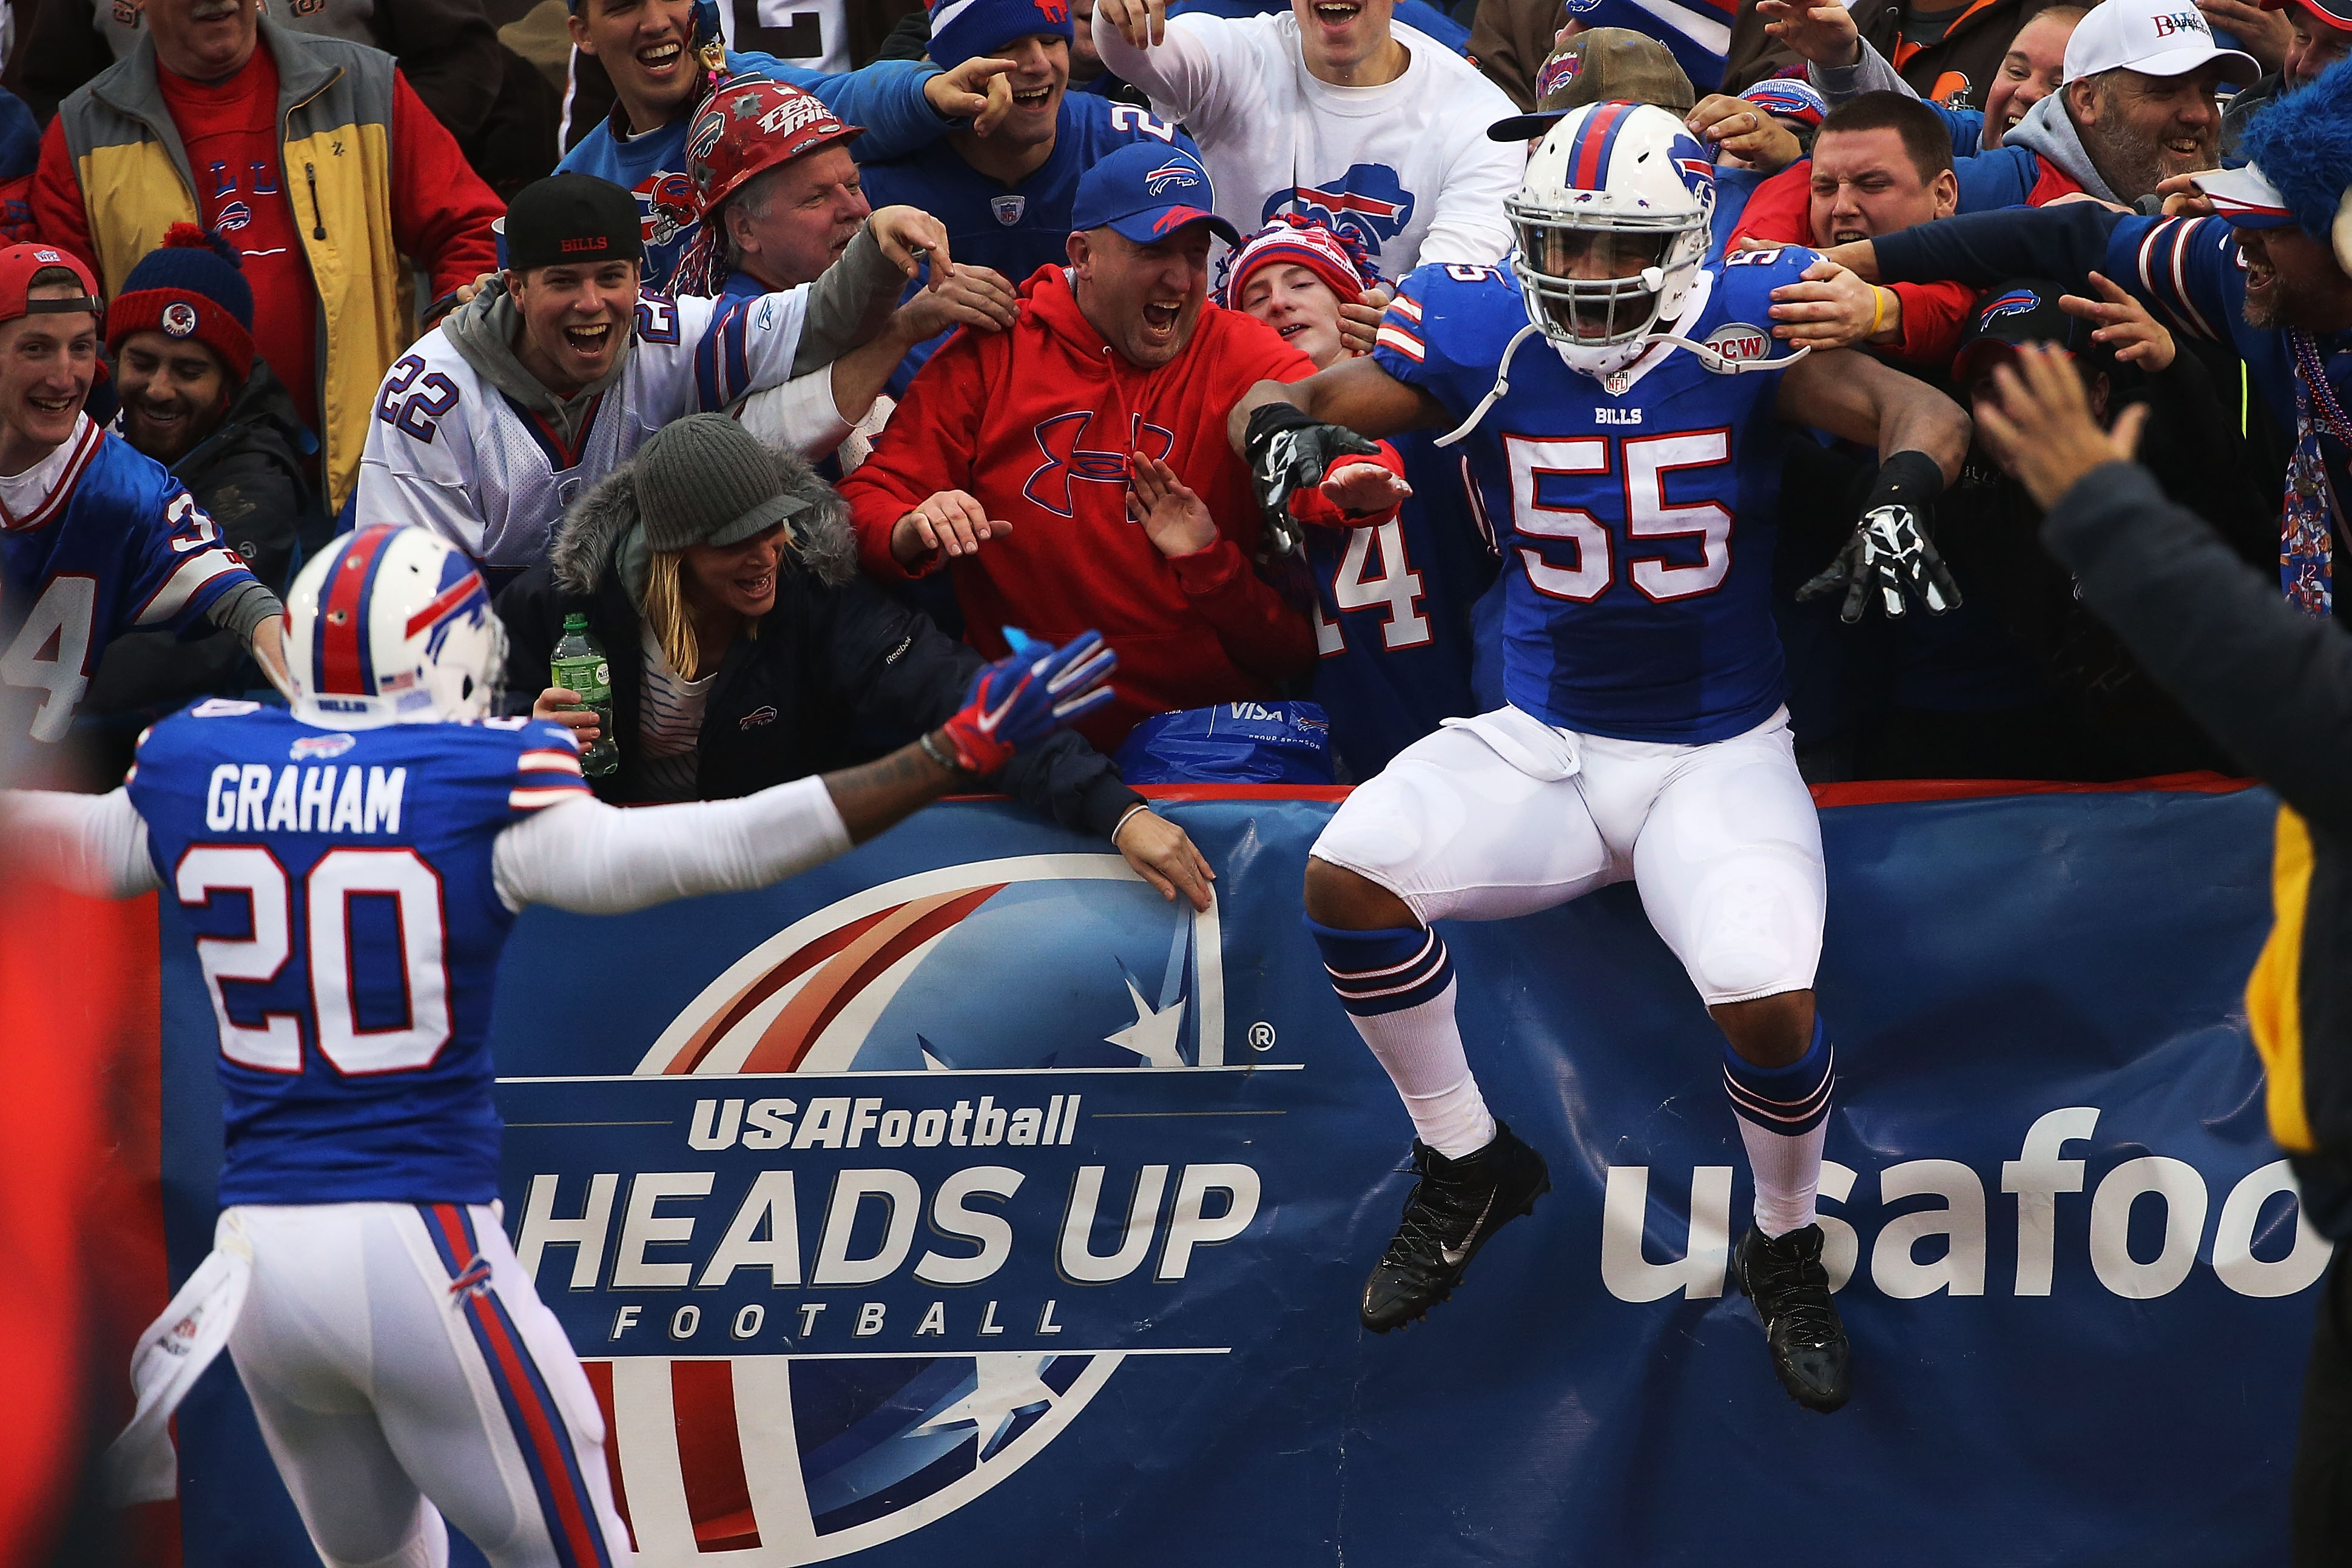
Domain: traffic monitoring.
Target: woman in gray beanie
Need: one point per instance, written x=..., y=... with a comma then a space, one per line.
x=745, y=649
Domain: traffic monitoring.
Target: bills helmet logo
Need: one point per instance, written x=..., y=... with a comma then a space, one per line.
x=179, y=318
x=2016, y=302
x=1368, y=202
x=668, y=199
x=1697, y=168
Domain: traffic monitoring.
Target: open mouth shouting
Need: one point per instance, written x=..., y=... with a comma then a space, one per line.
x=1033, y=99
x=1335, y=15
x=1160, y=319
x=664, y=62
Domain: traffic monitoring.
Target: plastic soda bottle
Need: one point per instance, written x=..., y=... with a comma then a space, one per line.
x=579, y=666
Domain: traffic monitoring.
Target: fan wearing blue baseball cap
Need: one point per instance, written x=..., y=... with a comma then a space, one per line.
x=1073, y=468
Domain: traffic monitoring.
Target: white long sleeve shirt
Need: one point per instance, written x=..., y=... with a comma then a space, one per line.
x=1406, y=165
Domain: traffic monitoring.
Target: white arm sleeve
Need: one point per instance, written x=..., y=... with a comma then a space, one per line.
x=91, y=844
x=1470, y=227
x=799, y=417
x=593, y=859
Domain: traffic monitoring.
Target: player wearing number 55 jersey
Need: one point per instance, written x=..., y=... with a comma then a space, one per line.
x=1635, y=469
x=349, y=872
x=95, y=537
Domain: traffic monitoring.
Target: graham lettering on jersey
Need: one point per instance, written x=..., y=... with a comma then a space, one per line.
x=249, y=798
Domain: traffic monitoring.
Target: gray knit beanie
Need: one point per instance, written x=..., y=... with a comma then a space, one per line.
x=705, y=480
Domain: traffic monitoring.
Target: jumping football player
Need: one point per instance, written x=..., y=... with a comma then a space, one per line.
x=1644, y=735
x=349, y=872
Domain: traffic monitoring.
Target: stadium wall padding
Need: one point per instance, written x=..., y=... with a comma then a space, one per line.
x=962, y=1201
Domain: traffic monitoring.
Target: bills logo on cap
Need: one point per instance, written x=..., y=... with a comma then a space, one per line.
x=2180, y=22
x=1557, y=72
x=179, y=318
x=1171, y=176
x=46, y=255
x=2016, y=302
x=1008, y=209
x=706, y=133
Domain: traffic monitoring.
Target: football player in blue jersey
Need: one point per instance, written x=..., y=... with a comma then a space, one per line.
x=349, y=872
x=96, y=538
x=1634, y=468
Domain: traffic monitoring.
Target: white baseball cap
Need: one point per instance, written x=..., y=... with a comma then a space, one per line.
x=2154, y=37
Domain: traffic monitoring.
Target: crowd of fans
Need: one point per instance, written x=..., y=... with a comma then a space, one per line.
x=957, y=303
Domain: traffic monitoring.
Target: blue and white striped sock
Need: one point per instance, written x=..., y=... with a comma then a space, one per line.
x=1783, y=1116
x=1398, y=986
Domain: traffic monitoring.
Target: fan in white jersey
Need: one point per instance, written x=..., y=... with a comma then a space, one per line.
x=1334, y=112
x=404, y=1370
x=1636, y=467
x=557, y=372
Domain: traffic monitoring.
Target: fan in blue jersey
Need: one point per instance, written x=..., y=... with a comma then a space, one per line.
x=349, y=872
x=666, y=59
x=96, y=538
x=1005, y=198
x=1392, y=602
x=1634, y=468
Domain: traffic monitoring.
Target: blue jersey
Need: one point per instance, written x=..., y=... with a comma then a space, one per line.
x=117, y=544
x=885, y=98
x=1015, y=229
x=1640, y=521
x=1393, y=611
x=338, y=884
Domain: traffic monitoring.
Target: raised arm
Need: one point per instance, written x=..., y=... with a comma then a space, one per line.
x=92, y=844
x=594, y=859
x=1355, y=393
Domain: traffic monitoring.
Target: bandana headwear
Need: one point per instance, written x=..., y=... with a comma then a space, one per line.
x=966, y=29
x=1339, y=260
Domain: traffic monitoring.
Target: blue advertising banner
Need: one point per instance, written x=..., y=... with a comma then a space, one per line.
x=963, y=1202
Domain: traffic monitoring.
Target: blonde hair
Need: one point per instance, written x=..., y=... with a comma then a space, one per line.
x=667, y=615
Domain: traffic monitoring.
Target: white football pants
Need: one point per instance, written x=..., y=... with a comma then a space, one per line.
x=404, y=1371
x=1501, y=815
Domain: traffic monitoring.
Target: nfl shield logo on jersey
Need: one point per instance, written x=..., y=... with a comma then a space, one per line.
x=876, y=1071
x=1008, y=209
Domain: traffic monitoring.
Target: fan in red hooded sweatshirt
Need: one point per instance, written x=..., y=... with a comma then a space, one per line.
x=1073, y=469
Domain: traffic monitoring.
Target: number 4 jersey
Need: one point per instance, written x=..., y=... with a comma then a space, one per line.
x=96, y=540
x=1638, y=515
x=339, y=887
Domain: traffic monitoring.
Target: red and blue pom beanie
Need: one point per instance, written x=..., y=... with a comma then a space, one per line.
x=192, y=287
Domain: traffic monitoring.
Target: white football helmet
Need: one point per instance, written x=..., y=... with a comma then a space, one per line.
x=1610, y=225
x=392, y=625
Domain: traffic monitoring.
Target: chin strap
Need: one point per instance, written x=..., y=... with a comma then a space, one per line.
x=1494, y=395
x=1708, y=357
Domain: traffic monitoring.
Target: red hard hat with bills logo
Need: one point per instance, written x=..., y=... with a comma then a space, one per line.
x=20, y=264
x=751, y=126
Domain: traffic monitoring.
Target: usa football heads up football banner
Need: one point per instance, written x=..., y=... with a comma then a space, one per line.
x=964, y=1202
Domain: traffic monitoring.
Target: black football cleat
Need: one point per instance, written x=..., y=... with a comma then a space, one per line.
x=1450, y=1212
x=1784, y=1277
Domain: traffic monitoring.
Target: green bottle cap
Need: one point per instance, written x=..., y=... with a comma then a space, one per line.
x=575, y=621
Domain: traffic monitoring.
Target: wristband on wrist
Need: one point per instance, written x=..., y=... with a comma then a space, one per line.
x=1909, y=478
x=931, y=749
x=1120, y=825
x=1878, y=310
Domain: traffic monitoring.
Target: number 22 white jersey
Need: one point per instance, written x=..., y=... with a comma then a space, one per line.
x=450, y=451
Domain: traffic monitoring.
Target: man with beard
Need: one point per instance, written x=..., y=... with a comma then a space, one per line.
x=2260, y=273
x=198, y=400
x=1074, y=466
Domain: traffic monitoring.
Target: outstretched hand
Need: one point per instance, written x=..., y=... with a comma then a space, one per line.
x=1174, y=518
x=2125, y=326
x=1824, y=34
x=908, y=237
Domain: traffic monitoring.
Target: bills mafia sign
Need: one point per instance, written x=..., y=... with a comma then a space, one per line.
x=885, y=1207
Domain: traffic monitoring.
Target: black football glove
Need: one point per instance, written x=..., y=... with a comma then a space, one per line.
x=1890, y=550
x=1289, y=452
